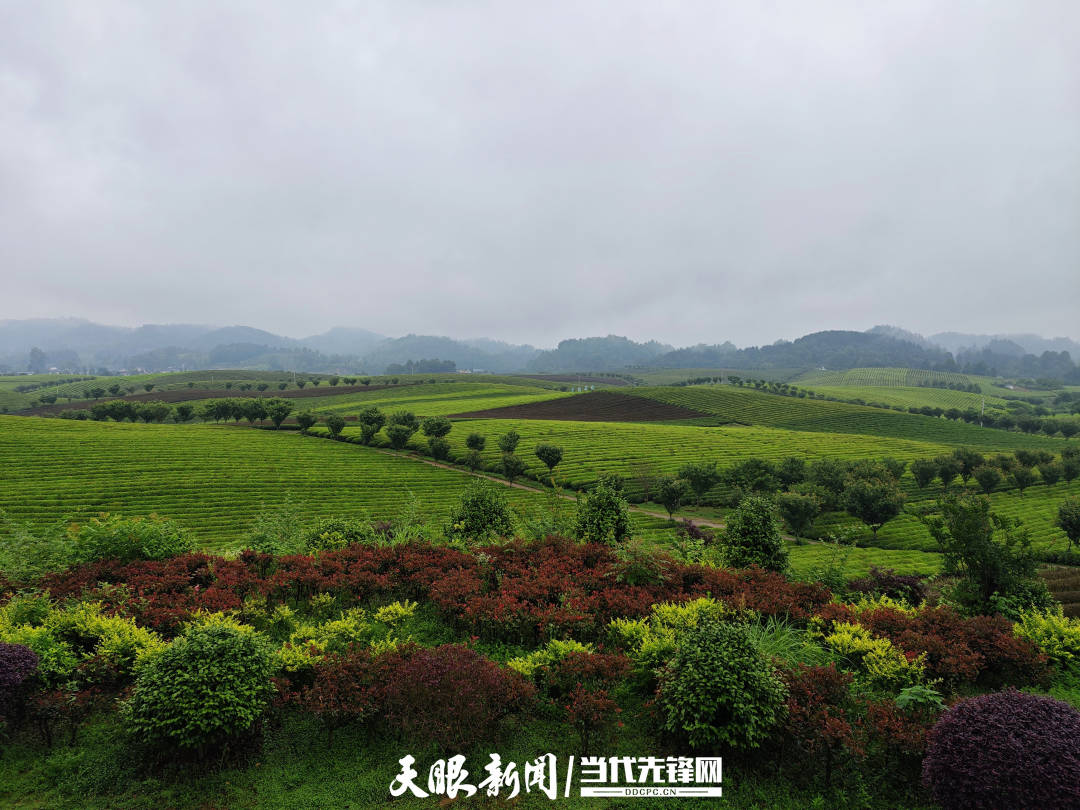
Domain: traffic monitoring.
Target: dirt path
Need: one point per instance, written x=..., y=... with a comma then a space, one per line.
x=412, y=457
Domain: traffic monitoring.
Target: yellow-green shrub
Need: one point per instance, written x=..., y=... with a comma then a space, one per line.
x=551, y=653
x=884, y=665
x=1057, y=635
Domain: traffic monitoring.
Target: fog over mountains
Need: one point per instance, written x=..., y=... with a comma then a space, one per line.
x=73, y=344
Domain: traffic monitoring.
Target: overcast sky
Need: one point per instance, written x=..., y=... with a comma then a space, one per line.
x=686, y=171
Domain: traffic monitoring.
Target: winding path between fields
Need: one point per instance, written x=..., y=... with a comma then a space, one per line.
x=712, y=524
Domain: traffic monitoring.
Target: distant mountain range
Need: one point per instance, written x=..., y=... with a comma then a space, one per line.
x=72, y=345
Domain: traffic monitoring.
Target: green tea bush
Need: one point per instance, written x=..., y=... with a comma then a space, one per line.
x=205, y=693
x=334, y=533
x=720, y=689
x=112, y=537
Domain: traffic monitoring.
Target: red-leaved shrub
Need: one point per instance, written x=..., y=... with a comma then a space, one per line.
x=819, y=708
x=449, y=695
x=1003, y=750
x=344, y=690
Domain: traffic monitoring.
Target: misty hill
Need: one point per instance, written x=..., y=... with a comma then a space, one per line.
x=345, y=341
x=75, y=345
x=957, y=342
x=611, y=353
x=488, y=355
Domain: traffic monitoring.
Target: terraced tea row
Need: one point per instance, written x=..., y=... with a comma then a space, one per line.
x=751, y=407
x=440, y=399
x=629, y=450
x=909, y=397
x=1037, y=508
x=211, y=479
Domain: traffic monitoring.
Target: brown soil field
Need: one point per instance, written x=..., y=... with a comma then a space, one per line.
x=595, y=406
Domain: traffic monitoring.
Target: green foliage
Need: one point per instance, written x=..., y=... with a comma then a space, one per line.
x=1056, y=635
x=550, y=454
x=404, y=417
x=991, y=553
x=603, y=515
x=1068, y=519
x=752, y=537
x=720, y=689
x=987, y=477
x=651, y=642
x=883, y=665
x=475, y=442
x=335, y=424
x=399, y=435
x=371, y=421
x=26, y=555
x=112, y=537
x=547, y=656
x=307, y=420
x=670, y=493
x=205, y=692
x=924, y=471
x=435, y=427
x=874, y=501
x=508, y=442
x=277, y=531
x=277, y=410
x=798, y=511
x=482, y=513
x=512, y=467
x=701, y=476
x=328, y=534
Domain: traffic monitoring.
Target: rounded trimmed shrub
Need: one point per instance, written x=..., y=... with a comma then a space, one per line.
x=205, y=692
x=1006, y=749
x=720, y=689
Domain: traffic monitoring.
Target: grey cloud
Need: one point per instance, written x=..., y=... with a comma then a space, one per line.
x=689, y=171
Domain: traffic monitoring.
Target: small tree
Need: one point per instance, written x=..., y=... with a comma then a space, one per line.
x=791, y=471
x=371, y=421
x=482, y=513
x=277, y=410
x=475, y=444
x=550, y=454
x=603, y=516
x=406, y=418
x=948, y=468
x=512, y=467
x=1068, y=520
x=798, y=511
x=306, y=420
x=670, y=493
x=1022, y=478
x=1051, y=472
x=752, y=537
x=334, y=423
x=183, y=412
x=508, y=442
x=399, y=435
x=1070, y=469
x=990, y=552
x=988, y=478
x=969, y=460
x=701, y=476
x=874, y=501
x=924, y=471
x=436, y=428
